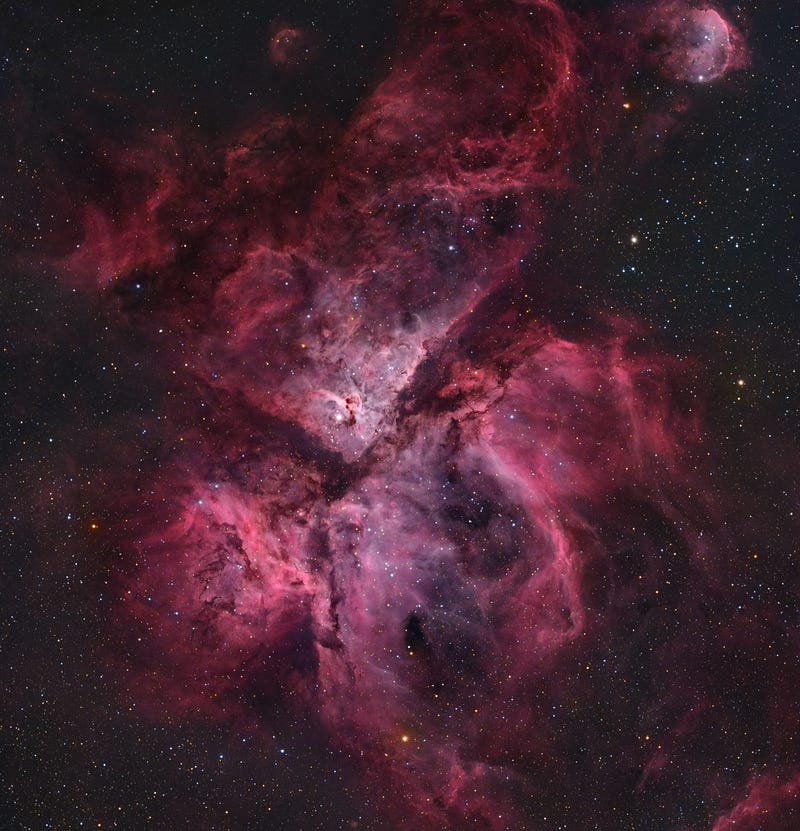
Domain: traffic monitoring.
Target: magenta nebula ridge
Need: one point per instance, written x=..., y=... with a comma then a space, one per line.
x=402, y=503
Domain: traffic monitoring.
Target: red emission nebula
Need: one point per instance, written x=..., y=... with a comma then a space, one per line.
x=395, y=500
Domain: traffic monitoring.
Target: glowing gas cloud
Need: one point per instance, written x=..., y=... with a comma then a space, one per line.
x=396, y=500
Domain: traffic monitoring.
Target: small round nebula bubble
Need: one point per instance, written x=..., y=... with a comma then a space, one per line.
x=290, y=46
x=693, y=43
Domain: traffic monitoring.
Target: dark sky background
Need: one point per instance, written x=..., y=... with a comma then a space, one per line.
x=713, y=275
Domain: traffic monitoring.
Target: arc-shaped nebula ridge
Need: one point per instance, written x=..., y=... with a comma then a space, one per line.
x=401, y=502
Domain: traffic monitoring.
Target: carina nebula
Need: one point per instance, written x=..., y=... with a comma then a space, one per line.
x=477, y=549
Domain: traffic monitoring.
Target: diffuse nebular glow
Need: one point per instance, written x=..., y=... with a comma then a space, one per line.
x=412, y=507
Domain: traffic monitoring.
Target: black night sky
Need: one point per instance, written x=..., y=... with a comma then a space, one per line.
x=400, y=415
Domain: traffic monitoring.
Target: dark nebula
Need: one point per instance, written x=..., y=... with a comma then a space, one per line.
x=397, y=501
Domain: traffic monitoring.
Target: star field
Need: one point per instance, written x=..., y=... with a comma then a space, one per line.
x=400, y=415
